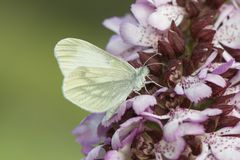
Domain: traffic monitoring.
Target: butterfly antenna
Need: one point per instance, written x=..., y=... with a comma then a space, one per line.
x=146, y=89
x=156, y=64
x=152, y=81
x=150, y=58
x=137, y=92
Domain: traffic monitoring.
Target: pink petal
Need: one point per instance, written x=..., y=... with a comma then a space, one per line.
x=158, y=3
x=195, y=89
x=190, y=129
x=120, y=112
x=142, y=12
x=226, y=148
x=170, y=150
x=224, y=67
x=141, y=103
x=87, y=131
x=114, y=155
x=117, y=47
x=225, y=10
x=179, y=89
x=216, y=79
x=96, y=153
x=229, y=33
x=229, y=131
x=115, y=22
x=169, y=131
x=121, y=154
x=165, y=14
x=211, y=112
x=209, y=60
x=124, y=131
x=138, y=35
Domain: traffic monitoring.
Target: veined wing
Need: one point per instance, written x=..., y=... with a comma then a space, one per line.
x=72, y=53
x=97, y=89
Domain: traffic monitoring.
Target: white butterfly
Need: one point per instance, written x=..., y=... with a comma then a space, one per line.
x=94, y=80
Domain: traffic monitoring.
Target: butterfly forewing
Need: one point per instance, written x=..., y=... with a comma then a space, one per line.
x=72, y=53
x=94, y=80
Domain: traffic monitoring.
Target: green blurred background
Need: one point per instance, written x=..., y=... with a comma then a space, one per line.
x=35, y=120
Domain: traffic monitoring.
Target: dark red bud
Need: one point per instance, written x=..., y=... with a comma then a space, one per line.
x=228, y=121
x=176, y=29
x=166, y=49
x=201, y=22
x=206, y=35
x=215, y=4
x=200, y=53
x=193, y=8
x=176, y=42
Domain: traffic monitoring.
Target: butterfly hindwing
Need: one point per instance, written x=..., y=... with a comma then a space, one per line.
x=97, y=89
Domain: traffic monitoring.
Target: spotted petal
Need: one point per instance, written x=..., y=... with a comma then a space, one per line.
x=229, y=33
x=170, y=150
x=138, y=35
x=165, y=14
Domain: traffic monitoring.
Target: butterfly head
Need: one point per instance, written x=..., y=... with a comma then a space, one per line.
x=141, y=72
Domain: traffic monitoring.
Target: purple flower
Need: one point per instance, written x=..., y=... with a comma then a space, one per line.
x=144, y=29
x=139, y=105
x=87, y=132
x=182, y=119
x=161, y=13
x=116, y=44
x=190, y=106
x=194, y=87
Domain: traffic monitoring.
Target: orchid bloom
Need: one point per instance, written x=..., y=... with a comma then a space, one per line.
x=162, y=13
x=144, y=29
x=182, y=119
x=192, y=49
x=116, y=45
x=195, y=87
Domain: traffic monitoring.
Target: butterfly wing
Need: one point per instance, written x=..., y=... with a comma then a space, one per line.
x=94, y=80
x=72, y=53
x=97, y=89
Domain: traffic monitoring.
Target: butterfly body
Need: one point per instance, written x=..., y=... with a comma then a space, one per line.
x=95, y=80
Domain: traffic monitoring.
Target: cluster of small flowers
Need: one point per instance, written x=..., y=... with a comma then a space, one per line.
x=192, y=48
